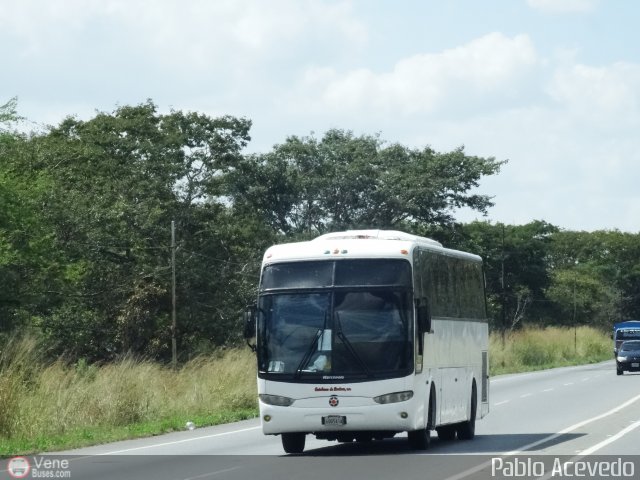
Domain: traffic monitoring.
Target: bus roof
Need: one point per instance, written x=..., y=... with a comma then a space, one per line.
x=635, y=324
x=376, y=235
x=358, y=244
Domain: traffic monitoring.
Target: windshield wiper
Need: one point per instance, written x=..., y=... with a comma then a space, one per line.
x=307, y=356
x=340, y=334
x=312, y=347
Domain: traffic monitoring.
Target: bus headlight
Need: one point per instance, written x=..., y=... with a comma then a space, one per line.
x=394, y=397
x=622, y=359
x=276, y=400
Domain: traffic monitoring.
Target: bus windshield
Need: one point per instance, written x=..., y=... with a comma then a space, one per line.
x=342, y=327
x=628, y=334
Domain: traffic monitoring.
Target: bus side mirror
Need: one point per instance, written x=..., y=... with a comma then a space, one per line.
x=250, y=315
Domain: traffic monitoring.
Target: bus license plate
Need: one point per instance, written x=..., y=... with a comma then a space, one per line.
x=334, y=420
x=635, y=365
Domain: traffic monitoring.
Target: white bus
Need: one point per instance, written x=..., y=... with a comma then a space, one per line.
x=365, y=334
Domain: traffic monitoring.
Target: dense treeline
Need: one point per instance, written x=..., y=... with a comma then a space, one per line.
x=86, y=208
x=539, y=274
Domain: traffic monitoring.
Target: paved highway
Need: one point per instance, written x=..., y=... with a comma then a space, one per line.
x=565, y=413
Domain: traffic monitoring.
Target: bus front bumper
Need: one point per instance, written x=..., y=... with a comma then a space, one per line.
x=393, y=417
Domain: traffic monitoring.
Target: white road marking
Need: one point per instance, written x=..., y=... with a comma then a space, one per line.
x=524, y=375
x=525, y=395
x=548, y=390
x=571, y=428
x=211, y=474
x=501, y=403
x=166, y=443
x=193, y=439
x=567, y=384
x=612, y=439
x=575, y=426
x=597, y=446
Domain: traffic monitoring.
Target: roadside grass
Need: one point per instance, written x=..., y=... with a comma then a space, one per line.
x=57, y=406
x=60, y=406
x=540, y=348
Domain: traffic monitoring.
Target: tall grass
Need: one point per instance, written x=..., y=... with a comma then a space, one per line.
x=538, y=348
x=51, y=406
x=40, y=401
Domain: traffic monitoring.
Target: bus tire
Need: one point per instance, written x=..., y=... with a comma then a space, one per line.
x=293, y=442
x=446, y=433
x=421, y=439
x=467, y=429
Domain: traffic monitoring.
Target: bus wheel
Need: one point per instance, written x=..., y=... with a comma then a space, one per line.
x=421, y=439
x=467, y=430
x=446, y=433
x=293, y=442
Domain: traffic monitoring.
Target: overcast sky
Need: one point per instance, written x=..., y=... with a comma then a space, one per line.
x=551, y=85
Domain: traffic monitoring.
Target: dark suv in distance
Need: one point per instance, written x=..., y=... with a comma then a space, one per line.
x=628, y=357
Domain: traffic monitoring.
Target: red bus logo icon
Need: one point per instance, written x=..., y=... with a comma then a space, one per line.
x=18, y=467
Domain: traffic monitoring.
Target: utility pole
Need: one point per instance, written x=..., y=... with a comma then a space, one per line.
x=174, y=348
x=575, y=325
x=504, y=295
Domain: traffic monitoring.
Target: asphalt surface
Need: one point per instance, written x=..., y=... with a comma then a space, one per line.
x=564, y=414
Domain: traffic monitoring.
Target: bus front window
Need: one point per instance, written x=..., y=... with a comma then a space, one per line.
x=376, y=330
x=342, y=333
x=291, y=326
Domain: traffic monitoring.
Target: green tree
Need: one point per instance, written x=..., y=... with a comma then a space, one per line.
x=8, y=114
x=342, y=181
x=610, y=258
x=29, y=267
x=581, y=297
x=516, y=262
x=118, y=180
